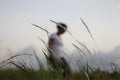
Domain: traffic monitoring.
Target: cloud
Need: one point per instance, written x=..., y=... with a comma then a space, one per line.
x=30, y=60
x=4, y=54
x=100, y=60
x=75, y=59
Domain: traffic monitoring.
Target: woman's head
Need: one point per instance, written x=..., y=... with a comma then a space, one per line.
x=61, y=28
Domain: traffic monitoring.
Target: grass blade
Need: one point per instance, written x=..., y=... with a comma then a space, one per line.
x=40, y=28
x=87, y=28
x=14, y=57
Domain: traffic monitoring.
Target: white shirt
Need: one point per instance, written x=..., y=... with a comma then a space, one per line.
x=57, y=46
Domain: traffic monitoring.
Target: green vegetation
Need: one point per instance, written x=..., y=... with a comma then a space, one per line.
x=22, y=72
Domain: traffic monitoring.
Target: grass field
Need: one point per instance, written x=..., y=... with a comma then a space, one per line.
x=23, y=73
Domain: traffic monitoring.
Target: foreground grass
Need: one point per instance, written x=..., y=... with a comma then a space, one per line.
x=22, y=72
x=11, y=74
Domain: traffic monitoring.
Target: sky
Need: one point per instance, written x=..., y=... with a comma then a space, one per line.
x=101, y=16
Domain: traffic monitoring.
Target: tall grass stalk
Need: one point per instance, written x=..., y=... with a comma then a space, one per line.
x=98, y=57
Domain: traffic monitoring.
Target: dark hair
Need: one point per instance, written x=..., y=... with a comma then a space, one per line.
x=63, y=26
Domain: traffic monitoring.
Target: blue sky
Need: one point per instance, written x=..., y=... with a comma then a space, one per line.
x=102, y=17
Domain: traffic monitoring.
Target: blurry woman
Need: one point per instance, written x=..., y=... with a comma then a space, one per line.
x=55, y=45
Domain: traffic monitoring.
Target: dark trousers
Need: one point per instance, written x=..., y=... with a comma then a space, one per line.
x=62, y=63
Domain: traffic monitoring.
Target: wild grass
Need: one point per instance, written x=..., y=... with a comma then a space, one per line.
x=20, y=71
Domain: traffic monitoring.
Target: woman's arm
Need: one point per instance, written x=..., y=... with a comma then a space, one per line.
x=50, y=42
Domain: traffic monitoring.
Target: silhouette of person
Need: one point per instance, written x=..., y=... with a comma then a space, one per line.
x=56, y=46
